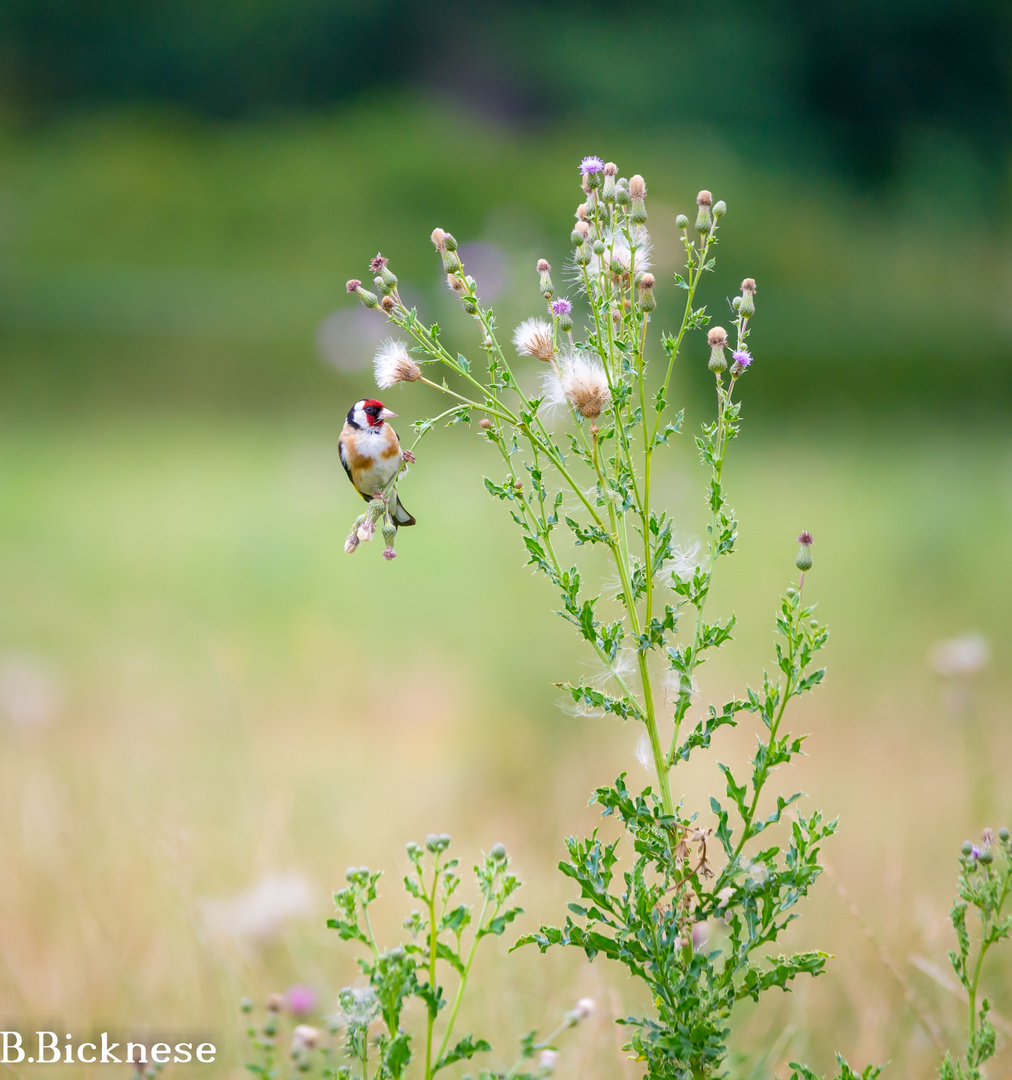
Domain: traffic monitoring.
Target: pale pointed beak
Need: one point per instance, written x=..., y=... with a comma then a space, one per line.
x=387, y=414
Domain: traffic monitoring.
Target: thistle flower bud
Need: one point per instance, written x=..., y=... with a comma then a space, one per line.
x=451, y=264
x=648, y=302
x=682, y=222
x=622, y=194
x=804, y=560
x=498, y=853
x=717, y=340
x=986, y=856
x=353, y=285
x=703, y=220
x=439, y=239
x=246, y=1005
x=352, y=541
x=544, y=270
x=610, y=186
x=719, y=208
x=470, y=306
x=451, y=242
x=388, y=303
x=966, y=848
x=748, y=291
x=1003, y=835
x=637, y=193
x=598, y=247
x=576, y=238
x=485, y=424
x=389, y=533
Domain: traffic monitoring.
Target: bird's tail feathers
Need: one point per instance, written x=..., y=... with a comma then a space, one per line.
x=399, y=513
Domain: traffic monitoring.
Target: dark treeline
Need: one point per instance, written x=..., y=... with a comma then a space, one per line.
x=846, y=79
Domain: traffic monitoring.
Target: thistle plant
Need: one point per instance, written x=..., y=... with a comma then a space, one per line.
x=690, y=900
x=985, y=876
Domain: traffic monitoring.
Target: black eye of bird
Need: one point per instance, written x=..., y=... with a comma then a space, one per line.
x=371, y=410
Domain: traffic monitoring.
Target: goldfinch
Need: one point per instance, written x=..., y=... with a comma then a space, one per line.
x=371, y=454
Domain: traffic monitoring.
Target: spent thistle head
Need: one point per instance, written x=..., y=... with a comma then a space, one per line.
x=392, y=364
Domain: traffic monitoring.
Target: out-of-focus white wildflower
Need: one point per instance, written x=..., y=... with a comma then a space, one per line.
x=580, y=383
x=305, y=1037
x=960, y=657
x=584, y=1008
x=31, y=692
x=700, y=935
x=259, y=913
x=392, y=364
x=533, y=337
x=546, y=1063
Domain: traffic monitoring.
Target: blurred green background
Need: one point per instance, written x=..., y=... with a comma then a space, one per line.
x=207, y=710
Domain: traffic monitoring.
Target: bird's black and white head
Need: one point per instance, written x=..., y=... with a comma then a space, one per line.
x=369, y=414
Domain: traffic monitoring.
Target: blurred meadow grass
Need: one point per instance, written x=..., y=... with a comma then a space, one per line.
x=230, y=696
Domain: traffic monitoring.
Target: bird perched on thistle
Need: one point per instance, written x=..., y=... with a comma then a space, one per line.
x=371, y=454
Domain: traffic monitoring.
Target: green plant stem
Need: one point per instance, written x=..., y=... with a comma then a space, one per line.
x=430, y=900
x=774, y=727
x=723, y=400
x=985, y=944
x=463, y=979
x=673, y=355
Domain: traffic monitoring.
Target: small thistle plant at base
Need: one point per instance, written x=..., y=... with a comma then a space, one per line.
x=695, y=905
x=444, y=935
x=985, y=877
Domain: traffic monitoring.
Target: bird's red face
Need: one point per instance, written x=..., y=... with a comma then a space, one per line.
x=376, y=412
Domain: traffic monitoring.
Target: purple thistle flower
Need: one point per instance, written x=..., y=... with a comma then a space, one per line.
x=975, y=852
x=301, y=999
x=561, y=306
x=742, y=358
x=591, y=165
x=805, y=538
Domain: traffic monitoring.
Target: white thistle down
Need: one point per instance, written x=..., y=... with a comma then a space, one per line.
x=533, y=337
x=686, y=557
x=619, y=252
x=584, y=384
x=392, y=364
